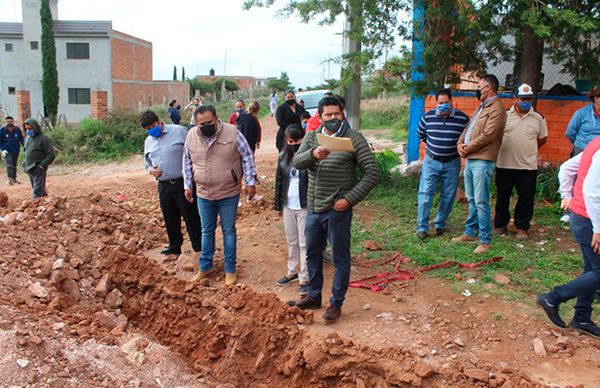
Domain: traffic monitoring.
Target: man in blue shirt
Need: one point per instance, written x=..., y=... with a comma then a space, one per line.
x=440, y=129
x=174, y=112
x=585, y=123
x=163, y=155
x=11, y=141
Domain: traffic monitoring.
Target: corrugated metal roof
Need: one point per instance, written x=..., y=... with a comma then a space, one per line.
x=63, y=27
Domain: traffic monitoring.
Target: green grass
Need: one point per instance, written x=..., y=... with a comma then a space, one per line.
x=390, y=114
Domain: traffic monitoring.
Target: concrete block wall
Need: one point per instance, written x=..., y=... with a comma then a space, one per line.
x=99, y=104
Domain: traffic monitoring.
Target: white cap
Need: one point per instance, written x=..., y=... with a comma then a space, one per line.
x=525, y=91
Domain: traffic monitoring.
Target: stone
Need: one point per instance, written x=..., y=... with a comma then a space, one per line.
x=502, y=279
x=58, y=326
x=372, y=245
x=3, y=199
x=58, y=264
x=22, y=362
x=366, y=306
x=61, y=252
x=562, y=342
x=104, y=285
x=70, y=287
x=423, y=370
x=38, y=291
x=539, y=348
x=44, y=369
x=13, y=218
x=106, y=320
x=114, y=299
x=477, y=374
x=36, y=340
x=459, y=342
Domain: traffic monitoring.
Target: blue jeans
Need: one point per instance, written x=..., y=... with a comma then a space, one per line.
x=583, y=287
x=445, y=175
x=478, y=177
x=226, y=208
x=334, y=226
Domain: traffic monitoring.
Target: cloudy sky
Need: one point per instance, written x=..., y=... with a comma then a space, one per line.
x=198, y=34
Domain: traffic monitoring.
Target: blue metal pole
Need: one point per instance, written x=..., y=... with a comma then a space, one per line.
x=417, y=102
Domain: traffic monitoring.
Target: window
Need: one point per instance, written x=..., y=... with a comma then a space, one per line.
x=12, y=90
x=79, y=96
x=34, y=45
x=78, y=51
x=8, y=47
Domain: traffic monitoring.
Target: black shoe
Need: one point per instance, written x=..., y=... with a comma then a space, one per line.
x=287, y=279
x=327, y=257
x=422, y=235
x=305, y=303
x=439, y=231
x=332, y=314
x=551, y=311
x=303, y=289
x=588, y=328
x=170, y=251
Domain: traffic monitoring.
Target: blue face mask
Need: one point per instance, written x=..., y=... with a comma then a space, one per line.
x=525, y=106
x=303, y=125
x=30, y=132
x=154, y=131
x=240, y=111
x=444, y=108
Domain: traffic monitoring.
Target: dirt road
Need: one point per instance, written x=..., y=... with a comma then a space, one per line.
x=86, y=300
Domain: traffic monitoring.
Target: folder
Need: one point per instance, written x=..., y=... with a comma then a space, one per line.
x=343, y=144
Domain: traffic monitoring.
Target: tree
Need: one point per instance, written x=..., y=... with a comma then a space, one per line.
x=174, y=73
x=280, y=84
x=50, y=91
x=182, y=74
x=203, y=88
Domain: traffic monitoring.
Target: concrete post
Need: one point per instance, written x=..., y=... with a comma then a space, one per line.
x=23, y=105
x=99, y=104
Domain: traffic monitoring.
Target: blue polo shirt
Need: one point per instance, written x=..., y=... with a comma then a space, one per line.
x=441, y=134
x=11, y=141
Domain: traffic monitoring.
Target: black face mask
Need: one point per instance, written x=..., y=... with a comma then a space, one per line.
x=293, y=147
x=208, y=130
x=333, y=125
x=478, y=94
x=290, y=102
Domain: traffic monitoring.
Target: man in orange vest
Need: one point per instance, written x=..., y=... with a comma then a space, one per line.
x=580, y=191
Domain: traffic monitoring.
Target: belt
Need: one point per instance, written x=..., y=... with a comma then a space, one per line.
x=443, y=160
x=172, y=181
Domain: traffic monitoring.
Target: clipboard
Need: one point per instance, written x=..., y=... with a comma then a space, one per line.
x=343, y=144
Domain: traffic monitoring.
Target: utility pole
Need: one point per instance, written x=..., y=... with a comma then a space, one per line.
x=417, y=102
x=351, y=48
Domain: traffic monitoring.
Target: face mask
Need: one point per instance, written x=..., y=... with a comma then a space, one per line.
x=525, y=106
x=30, y=132
x=303, y=125
x=208, y=130
x=178, y=107
x=240, y=110
x=478, y=94
x=333, y=125
x=444, y=108
x=290, y=102
x=154, y=131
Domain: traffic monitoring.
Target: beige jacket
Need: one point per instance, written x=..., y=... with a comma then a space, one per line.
x=486, y=137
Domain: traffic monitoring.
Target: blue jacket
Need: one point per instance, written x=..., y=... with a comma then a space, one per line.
x=11, y=141
x=583, y=127
x=174, y=115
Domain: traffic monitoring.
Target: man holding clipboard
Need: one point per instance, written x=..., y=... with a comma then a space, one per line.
x=331, y=154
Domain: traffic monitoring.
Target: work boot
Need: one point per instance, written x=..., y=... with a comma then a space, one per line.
x=550, y=310
x=16, y=181
x=482, y=248
x=305, y=303
x=201, y=275
x=230, y=278
x=463, y=238
x=588, y=328
x=332, y=314
x=439, y=231
x=422, y=235
x=170, y=251
x=499, y=230
x=522, y=234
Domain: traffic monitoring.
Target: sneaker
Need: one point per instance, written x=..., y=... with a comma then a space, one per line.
x=287, y=279
x=230, y=278
x=10, y=182
x=499, y=230
x=439, y=231
x=171, y=251
x=522, y=234
x=332, y=314
x=422, y=235
x=327, y=257
x=588, y=328
x=16, y=181
x=550, y=310
x=482, y=248
x=463, y=238
x=305, y=303
x=303, y=289
x=201, y=275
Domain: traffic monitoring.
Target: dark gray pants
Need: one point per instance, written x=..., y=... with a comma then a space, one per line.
x=11, y=165
x=37, y=177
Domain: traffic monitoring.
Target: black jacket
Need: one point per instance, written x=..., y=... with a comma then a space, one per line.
x=284, y=117
x=282, y=182
x=249, y=127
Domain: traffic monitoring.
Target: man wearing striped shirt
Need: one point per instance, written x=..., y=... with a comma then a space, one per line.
x=440, y=129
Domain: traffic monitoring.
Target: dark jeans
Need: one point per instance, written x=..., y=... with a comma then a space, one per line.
x=584, y=287
x=174, y=206
x=334, y=226
x=37, y=177
x=506, y=180
x=11, y=165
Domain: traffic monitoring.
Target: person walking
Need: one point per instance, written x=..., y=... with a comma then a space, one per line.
x=163, y=156
x=216, y=156
x=287, y=113
x=174, y=114
x=11, y=141
x=585, y=123
x=38, y=156
x=240, y=107
x=291, y=187
x=333, y=191
x=249, y=125
x=525, y=132
x=273, y=104
x=479, y=144
x=440, y=129
x=580, y=192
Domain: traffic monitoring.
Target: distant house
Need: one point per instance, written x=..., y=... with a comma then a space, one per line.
x=242, y=81
x=90, y=56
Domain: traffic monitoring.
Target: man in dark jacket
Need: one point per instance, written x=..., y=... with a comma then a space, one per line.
x=332, y=193
x=39, y=154
x=11, y=141
x=287, y=113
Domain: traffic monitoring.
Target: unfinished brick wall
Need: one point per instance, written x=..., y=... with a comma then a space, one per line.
x=99, y=104
x=23, y=106
x=558, y=113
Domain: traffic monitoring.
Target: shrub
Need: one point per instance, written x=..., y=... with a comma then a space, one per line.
x=390, y=113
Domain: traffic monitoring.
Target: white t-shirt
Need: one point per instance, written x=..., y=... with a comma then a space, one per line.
x=293, y=194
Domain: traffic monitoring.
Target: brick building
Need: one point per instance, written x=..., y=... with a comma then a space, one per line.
x=96, y=64
x=242, y=81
